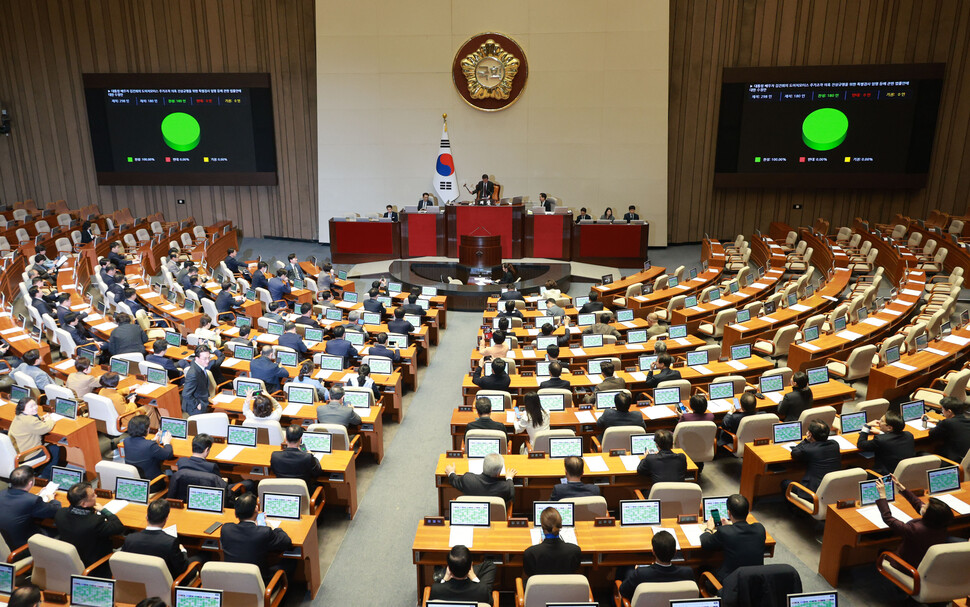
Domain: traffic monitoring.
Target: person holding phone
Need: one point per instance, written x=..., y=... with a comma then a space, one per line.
x=664, y=466
x=743, y=543
x=888, y=439
x=919, y=534
x=819, y=454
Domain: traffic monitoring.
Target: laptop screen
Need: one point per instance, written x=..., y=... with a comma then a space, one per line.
x=358, y=400
x=331, y=363
x=666, y=396
x=819, y=375
x=350, y=296
x=721, y=390
x=711, y=504
x=205, y=499
x=565, y=446
x=92, y=591
x=6, y=578
x=868, y=494
x=424, y=304
x=639, y=512
x=814, y=599
x=176, y=426
x=131, y=490
x=476, y=447
x=636, y=336
x=852, y=422
x=274, y=328
x=772, y=383
x=301, y=395
x=641, y=444
x=592, y=341
x=585, y=320
x=318, y=442
x=565, y=511
x=786, y=432
x=469, y=514
x=120, y=366
x=677, y=331
x=173, y=339
x=244, y=388
x=697, y=358
x=912, y=410
x=624, y=315
x=943, y=479
x=334, y=314
x=242, y=436
x=553, y=402
x=286, y=358
x=606, y=399
x=65, y=477
x=243, y=352
x=314, y=335
x=159, y=377
x=372, y=318
x=281, y=505
x=66, y=407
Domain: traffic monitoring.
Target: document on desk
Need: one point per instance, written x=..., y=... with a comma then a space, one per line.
x=849, y=335
x=230, y=362
x=956, y=339
x=717, y=302
x=171, y=530
x=146, y=389
x=585, y=417
x=461, y=535
x=696, y=308
x=630, y=462
x=292, y=409
x=701, y=370
x=229, y=453
x=233, y=332
x=774, y=397
x=693, y=533
x=769, y=318
x=638, y=376
x=872, y=514
x=510, y=417
x=168, y=307
x=635, y=346
x=595, y=463
x=893, y=312
x=912, y=292
x=737, y=327
x=670, y=530
x=759, y=285
x=799, y=308
x=683, y=341
x=844, y=443
x=18, y=338
x=475, y=464
x=918, y=424
x=510, y=353
x=115, y=506
x=529, y=354
x=106, y=326
x=595, y=378
x=737, y=365
x=345, y=304
x=875, y=321
x=576, y=352
x=628, y=324
x=720, y=405
x=658, y=412
x=937, y=352
x=958, y=505
x=533, y=331
x=64, y=365
x=266, y=338
x=9, y=331
x=902, y=366
x=223, y=398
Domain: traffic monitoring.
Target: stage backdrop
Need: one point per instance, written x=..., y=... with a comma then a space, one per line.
x=590, y=127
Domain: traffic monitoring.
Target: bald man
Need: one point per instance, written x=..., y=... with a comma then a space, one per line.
x=653, y=325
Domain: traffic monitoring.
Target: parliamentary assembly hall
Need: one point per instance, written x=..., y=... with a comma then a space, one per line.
x=520, y=303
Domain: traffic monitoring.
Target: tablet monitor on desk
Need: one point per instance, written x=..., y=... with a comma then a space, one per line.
x=565, y=446
x=350, y=296
x=624, y=315
x=297, y=283
x=636, y=336
x=245, y=387
x=244, y=321
x=189, y=305
x=945, y=329
x=334, y=314
x=288, y=359
x=243, y=436
x=741, y=352
x=496, y=400
x=553, y=402
x=772, y=383
x=840, y=323
x=282, y=505
x=314, y=335
x=91, y=353
x=721, y=390
x=677, y=331
x=868, y=494
x=693, y=273
x=943, y=480
x=595, y=365
x=342, y=274
x=156, y=376
x=541, y=321
x=6, y=578
x=65, y=477
x=645, y=360
x=770, y=307
x=205, y=499
x=852, y=422
x=912, y=410
x=673, y=281
x=380, y=365
x=922, y=340
x=606, y=399
x=394, y=288
x=585, y=320
x=469, y=514
x=814, y=599
x=250, y=295
x=120, y=366
x=65, y=407
x=592, y=341
x=606, y=279
x=424, y=303
x=542, y=368
x=690, y=301
x=734, y=286
x=274, y=328
x=742, y=316
x=809, y=291
x=300, y=395
x=243, y=352
x=372, y=318
x=641, y=444
x=711, y=504
x=358, y=400
x=792, y=299
x=579, y=302
x=317, y=442
x=863, y=313
x=429, y=291
x=477, y=447
x=666, y=396
x=544, y=341
x=697, y=358
x=818, y=375
x=415, y=320
x=639, y=512
x=329, y=362
x=18, y=393
x=786, y=432
x=176, y=426
x=92, y=591
x=131, y=490
x=565, y=511
x=892, y=355
x=810, y=334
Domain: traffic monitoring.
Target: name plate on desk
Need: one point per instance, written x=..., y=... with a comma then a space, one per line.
x=617, y=452
x=434, y=521
x=761, y=441
x=585, y=407
x=687, y=519
x=843, y=504
x=604, y=521
x=537, y=455
x=464, y=408
x=454, y=454
x=518, y=522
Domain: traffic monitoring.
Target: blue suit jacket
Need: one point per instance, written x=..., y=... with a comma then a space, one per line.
x=146, y=455
x=380, y=350
x=277, y=289
x=268, y=371
x=293, y=340
x=19, y=511
x=342, y=347
x=259, y=280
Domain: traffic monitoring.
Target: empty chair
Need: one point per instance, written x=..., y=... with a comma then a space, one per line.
x=483, y=433
x=341, y=440
x=835, y=486
x=294, y=486
x=939, y=578
x=676, y=303
x=55, y=562
x=659, y=594
x=139, y=575
x=617, y=437
x=857, y=366
x=911, y=472
x=955, y=385
x=541, y=590
x=779, y=344
x=496, y=506
x=35, y=457
x=213, y=424
x=199, y=233
x=721, y=320
x=874, y=408
x=697, y=439
x=677, y=498
x=588, y=508
x=634, y=290
x=750, y=428
x=242, y=584
x=274, y=430
x=105, y=416
x=935, y=265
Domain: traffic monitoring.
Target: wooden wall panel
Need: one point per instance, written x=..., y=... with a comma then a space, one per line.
x=707, y=36
x=48, y=44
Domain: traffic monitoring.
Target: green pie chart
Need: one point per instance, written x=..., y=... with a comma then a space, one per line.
x=181, y=131
x=825, y=129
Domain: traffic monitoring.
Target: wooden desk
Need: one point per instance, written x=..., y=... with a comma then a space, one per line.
x=80, y=434
x=604, y=548
x=645, y=304
x=364, y=240
x=619, y=244
x=627, y=353
x=340, y=488
x=891, y=381
x=617, y=288
x=705, y=312
x=851, y=539
x=535, y=478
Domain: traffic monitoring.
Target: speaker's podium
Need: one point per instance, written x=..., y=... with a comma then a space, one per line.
x=480, y=251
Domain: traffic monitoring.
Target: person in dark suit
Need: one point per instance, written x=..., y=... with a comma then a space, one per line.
x=195, y=286
x=484, y=422
x=462, y=582
x=292, y=267
x=621, y=415
x=249, y=542
x=146, y=455
x=235, y=266
x=665, y=466
x=38, y=303
x=665, y=373
x=490, y=483
x=259, y=276
x=87, y=526
x=583, y=215
x=498, y=380
x=126, y=338
x=555, y=377
x=425, y=201
x=225, y=302
x=888, y=439
x=336, y=412
x=510, y=294
x=115, y=256
x=631, y=214
x=743, y=543
x=157, y=357
x=798, y=400
x=574, y=485
x=195, y=390
x=509, y=274
x=78, y=333
x=306, y=316
x=86, y=234
x=399, y=324
x=201, y=443
x=279, y=285
x=63, y=308
x=117, y=288
x=25, y=596
x=293, y=462
x=291, y=339
x=20, y=509
x=131, y=300
x=153, y=541
x=919, y=534
x=610, y=381
x=953, y=431
x=748, y=406
x=483, y=192
x=381, y=349
x=411, y=307
x=390, y=213
x=553, y=555
x=664, y=547
x=593, y=305
x=510, y=310
x=819, y=454
x=265, y=367
x=548, y=205
x=338, y=346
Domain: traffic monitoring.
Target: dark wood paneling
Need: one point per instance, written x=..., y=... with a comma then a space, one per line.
x=707, y=36
x=48, y=44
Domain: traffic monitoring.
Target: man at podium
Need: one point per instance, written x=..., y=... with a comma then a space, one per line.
x=483, y=190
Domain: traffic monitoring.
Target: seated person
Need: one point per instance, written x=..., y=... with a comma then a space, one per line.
x=243, y=338
x=381, y=349
x=574, y=485
x=32, y=370
x=550, y=290
x=510, y=293
x=201, y=444
x=498, y=380
x=279, y=286
x=510, y=311
x=305, y=378
x=532, y=418
x=795, y=402
x=601, y=328
x=21, y=511
x=665, y=466
x=888, y=439
x=552, y=555
x=293, y=462
x=123, y=401
x=653, y=325
x=364, y=380
x=665, y=373
x=819, y=454
x=250, y=542
x=338, y=346
x=462, y=582
x=81, y=382
x=144, y=454
x=610, y=381
x=490, y=483
x=265, y=367
x=28, y=429
x=209, y=331
x=225, y=302
x=336, y=412
x=553, y=309
x=953, y=431
x=306, y=310
x=399, y=324
x=484, y=422
x=500, y=349
x=555, y=376
x=621, y=414
x=157, y=357
x=743, y=543
x=291, y=339
x=748, y=405
x=698, y=410
x=261, y=408
x=664, y=547
x=593, y=305
x=153, y=541
x=918, y=534
x=583, y=215
x=547, y=330
x=87, y=526
x=372, y=304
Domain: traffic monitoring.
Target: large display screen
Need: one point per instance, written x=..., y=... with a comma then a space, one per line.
x=181, y=129
x=827, y=126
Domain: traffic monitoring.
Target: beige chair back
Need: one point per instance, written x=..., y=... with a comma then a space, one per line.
x=108, y=473
x=241, y=583
x=341, y=438
x=139, y=575
x=677, y=498
x=911, y=472
x=54, y=563
x=752, y=427
x=618, y=437
x=874, y=408
x=541, y=590
x=483, y=433
x=289, y=486
x=942, y=574
x=824, y=414
x=543, y=436
x=835, y=486
x=659, y=594
x=697, y=439
x=589, y=507
x=496, y=506
x=213, y=424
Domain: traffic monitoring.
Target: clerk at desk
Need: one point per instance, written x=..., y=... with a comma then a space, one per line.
x=390, y=213
x=631, y=214
x=425, y=201
x=483, y=190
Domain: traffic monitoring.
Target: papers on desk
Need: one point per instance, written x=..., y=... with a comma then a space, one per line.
x=510, y=417
x=48, y=491
x=292, y=409
x=171, y=530
x=799, y=308
x=697, y=308
x=682, y=287
x=844, y=443
x=683, y=341
x=875, y=321
x=718, y=302
x=576, y=352
x=937, y=352
x=115, y=506
x=720, y=405
x=902, y=366
x=635, y=346
x=912, y=292
x=658, y=412
x=849, y=335
x=106, y=326
x=461, y=535
x=168, y=307
x=533, y=331
x=266, y=338
x=630, y=462
x=638, y=376
x=809, y=346
x=595, y=379
x=9, y=331
x=567, y=534
x=145, y=389
x=64, y=365
x=872, y=514
x=737, y=326
x=788, y=446
x=476, y=464
x=529, y=354
x=595, y=463
x=956, y=339
x=768, y=318
x=759, y=285
x=958, y=505
x=585, y=417
x=628, y=324
x=223, y=398
x=737, y=365
x=774, y=397
x=917, y=424
x=345, y=305
x=701, y=370
x=230, y=362
x=510, y=354
x=79, y=307
x=669, y=530
x=229, y=453
x=830, y=298
x=233, y=332
x=693, y=533
x=893, y=312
